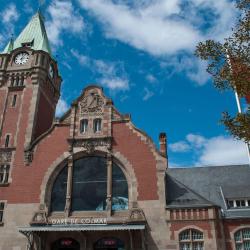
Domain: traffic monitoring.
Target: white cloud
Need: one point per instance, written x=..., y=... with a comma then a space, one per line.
x=148, y=94
x=10, y=14
x=163, y=27
x=218, y=150
x=191, y=66
x=222, y=150
x=109, y=74
x=61, y=107
x=144, y=28
x=180, y=146
x=64, y=18
x=196, y=140
x=151, y=78
x=115, y=83
x=8, y=17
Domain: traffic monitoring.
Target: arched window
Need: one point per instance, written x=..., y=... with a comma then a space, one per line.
x=191, y=239
x=242, y=239
x=89, y=186
x=83, y=125
x=58, y=195
x=97, y=126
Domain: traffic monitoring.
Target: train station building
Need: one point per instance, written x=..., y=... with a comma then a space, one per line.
x=91, y=180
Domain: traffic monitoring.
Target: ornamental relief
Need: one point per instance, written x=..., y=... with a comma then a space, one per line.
x=91, y=144
x=5, y=156
x=92, y=105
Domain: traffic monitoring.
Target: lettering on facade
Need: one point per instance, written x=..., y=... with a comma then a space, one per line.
x=75, y=221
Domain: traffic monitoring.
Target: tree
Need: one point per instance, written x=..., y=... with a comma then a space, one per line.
x=229, y=65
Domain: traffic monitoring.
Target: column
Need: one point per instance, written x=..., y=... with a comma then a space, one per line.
x=109, y=184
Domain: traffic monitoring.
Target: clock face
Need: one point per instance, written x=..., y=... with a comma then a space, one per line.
x=21, y=58
x=51, y=71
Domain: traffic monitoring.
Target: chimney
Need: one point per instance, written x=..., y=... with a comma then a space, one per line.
x=163, y=144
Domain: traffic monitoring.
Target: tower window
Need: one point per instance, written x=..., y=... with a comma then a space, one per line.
x=1, y=211
x=7, y=141
x=84, y=126
x=97, y=125
x=4, y=174
x=14, y=100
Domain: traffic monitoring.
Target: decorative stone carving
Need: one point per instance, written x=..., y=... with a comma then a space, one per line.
x=40, y=217
x=5, y=156
x=137, y=215
x=92, y=104
x=90, y=144
x=28, y=156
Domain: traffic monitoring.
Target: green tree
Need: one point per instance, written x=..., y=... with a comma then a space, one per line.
x=229, y=65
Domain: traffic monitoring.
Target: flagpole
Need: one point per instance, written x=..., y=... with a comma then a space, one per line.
x=238, y=103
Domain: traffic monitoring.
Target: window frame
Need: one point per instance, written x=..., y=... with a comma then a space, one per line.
x=5, y=171
x=242, y=240
x=7, y=140
x=84, y=126
x=2, y=212
x=77, y=212
x=97, y=125
x=191, y=241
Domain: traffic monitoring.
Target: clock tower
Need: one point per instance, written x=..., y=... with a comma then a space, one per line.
x=29, y=87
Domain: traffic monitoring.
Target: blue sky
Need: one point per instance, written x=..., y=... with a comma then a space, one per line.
x=141, y=52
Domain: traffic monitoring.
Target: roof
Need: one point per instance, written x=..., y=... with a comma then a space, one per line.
x=206, y=186
x=34, y=33
x=80, y=227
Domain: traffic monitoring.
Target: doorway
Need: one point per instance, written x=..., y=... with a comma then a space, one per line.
x=65, y=244
x=109, y=243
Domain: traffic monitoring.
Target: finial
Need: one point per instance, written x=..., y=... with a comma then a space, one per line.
x=40, y=4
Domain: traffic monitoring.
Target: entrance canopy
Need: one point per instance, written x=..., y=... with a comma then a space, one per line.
x=70, y=228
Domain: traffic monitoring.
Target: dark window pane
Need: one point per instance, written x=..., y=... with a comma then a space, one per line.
x=230, y=204
x=1, y=206
x=58, y=195
x=89, y=184
x=119, y=189
x=1, y=216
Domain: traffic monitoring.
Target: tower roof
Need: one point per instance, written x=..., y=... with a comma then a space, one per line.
x=33, y=35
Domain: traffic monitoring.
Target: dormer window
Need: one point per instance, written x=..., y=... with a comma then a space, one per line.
x=28, y=44
x=97, y=125
x=84, y=126
x=238, y=203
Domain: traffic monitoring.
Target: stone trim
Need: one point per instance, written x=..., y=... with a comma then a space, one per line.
x=232, y=241
x=50, y=177
x=129, y=173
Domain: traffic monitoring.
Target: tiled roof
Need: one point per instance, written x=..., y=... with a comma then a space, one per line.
x=211, y=184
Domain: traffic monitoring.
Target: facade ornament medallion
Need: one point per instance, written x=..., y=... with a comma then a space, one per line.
x=92, y=104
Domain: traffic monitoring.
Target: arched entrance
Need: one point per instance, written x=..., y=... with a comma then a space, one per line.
x=65, y=244
x=108, y=243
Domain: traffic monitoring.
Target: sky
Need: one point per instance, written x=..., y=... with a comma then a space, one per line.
x=142, y=53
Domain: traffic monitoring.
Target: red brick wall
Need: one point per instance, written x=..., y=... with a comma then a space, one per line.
x=140, y=156
x=232, y=226
x=45, y=116
x=11, y=117
x=27, y=180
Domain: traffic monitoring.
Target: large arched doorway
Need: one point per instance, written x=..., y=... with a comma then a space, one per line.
x=109, y=243
x=65, y=244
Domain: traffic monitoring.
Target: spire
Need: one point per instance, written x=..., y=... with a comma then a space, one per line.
x=9, y=46
x=33, y=35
